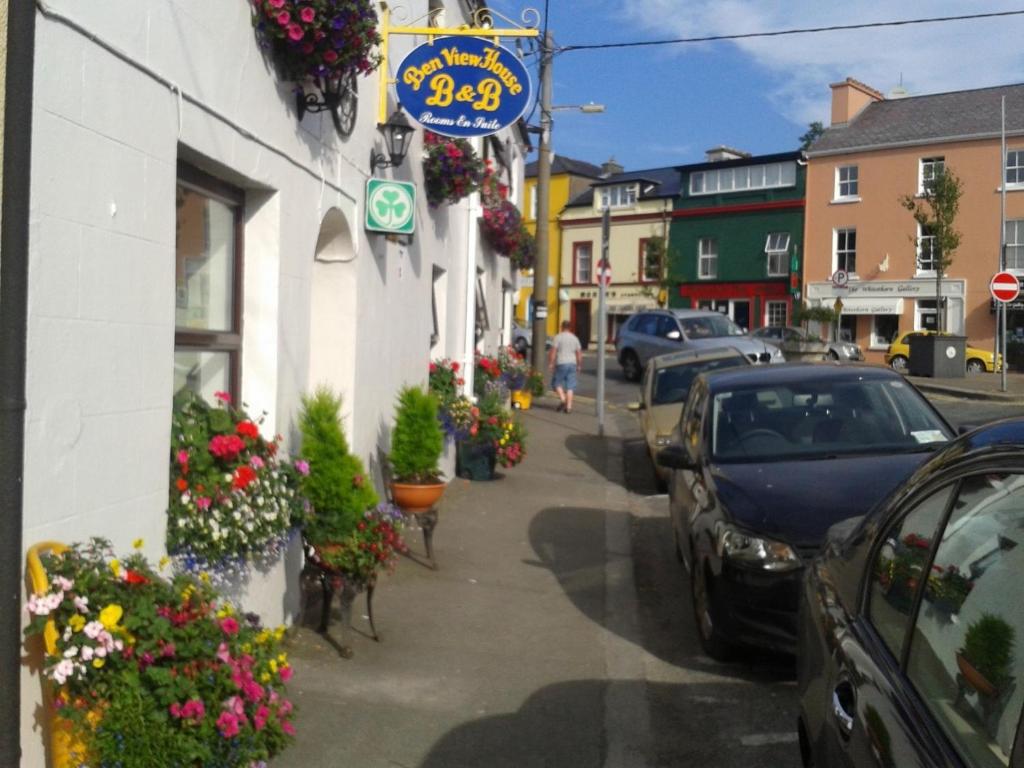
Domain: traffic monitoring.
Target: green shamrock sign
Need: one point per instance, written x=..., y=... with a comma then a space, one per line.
x=390, y=206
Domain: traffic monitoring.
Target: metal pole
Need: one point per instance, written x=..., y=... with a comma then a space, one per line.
x=540, y=267
x=469, y=339
x=602, y=321
x=1001, y=306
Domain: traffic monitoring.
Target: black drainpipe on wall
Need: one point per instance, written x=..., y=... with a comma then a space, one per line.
x=14, y=229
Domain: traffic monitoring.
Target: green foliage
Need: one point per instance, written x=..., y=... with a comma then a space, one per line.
x=336, y=486
x=814, y=130
x=535, y=383
x=145, y=665
x=655, y=254
x=417, y=439
x=988, y=645
x=804, y=314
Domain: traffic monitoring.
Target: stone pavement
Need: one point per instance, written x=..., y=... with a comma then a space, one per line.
x=519, y=650
x=979, y=386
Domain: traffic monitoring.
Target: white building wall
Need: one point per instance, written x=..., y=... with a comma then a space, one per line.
x=186, y=79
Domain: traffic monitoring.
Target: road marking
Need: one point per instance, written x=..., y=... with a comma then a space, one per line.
x=764, y=739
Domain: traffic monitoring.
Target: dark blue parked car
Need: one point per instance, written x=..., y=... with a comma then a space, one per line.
x=911, y=648
x=767, y=459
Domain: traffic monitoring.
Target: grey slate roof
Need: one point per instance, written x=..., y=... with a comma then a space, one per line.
x=563, y=164
x=927, y=119
x=660, y=182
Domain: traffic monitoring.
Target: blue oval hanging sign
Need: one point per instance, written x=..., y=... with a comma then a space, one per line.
x=463, y=86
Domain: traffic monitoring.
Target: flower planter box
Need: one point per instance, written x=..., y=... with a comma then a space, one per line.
x=476, y=461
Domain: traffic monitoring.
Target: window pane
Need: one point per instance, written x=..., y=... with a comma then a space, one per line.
x=771, y=175
x=202, y=372
x=788, y=173
x=205, y=263
x=697, y=183
x=967, y=651
x=900, y=565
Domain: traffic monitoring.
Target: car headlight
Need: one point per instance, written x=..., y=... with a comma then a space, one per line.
x=662, y=440
x=767, y=554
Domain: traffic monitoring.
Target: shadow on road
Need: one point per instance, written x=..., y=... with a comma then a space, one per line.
x=570, y=542
x=560, y=725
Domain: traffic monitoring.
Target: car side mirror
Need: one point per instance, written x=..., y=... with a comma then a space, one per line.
x=635, y=406
x=674, y=335
x=675, y=457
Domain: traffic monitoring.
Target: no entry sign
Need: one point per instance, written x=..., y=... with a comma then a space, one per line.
x=1004, y=286
x=604, y=273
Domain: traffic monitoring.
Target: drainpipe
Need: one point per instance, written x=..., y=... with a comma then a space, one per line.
x=14, y=236
x=472, y=240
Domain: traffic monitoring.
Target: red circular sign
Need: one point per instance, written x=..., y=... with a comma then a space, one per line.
x=604, y=273
x=1004, y=286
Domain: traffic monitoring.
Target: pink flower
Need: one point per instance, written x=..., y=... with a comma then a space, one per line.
x=276, y=3
x=330, y=56
x=288, y=728
x=256, y=462
x=283, y=18
x=286, y=673
x=224, y=397
x=227, y=723
x=194, y=709
x=203, y=502
x=175, y=709
x=307, y=14
x=226, y=447
x=229, y=625
x=295, y=32
x=302, y=467
x=183, y=457
x=223, y=653
x=259, y=719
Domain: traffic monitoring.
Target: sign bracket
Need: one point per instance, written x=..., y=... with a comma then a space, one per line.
x=481, y=27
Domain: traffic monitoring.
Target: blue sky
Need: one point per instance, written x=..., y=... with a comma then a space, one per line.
x=666, y=105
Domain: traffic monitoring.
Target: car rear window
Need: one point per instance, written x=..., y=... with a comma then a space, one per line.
x=672, y=384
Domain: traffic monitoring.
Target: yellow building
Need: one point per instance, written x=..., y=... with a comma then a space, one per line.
x=569, y=178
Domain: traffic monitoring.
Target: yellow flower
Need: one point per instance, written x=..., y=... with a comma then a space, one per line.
x=263, y=636
x=273, y=665
x=279, y=633
x=283, y=658
x=246, y=647
x=265, y=677
x=76, y=622
x=98, y=662
x=164, y=562
x=204, y=577
x=137, y=544
x=115, y=567
x=110, y=615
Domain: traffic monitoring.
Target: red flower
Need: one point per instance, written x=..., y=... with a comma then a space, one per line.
x=134, y=577
x=226, y=447
x=243, y=476
x=247, y=429
x=181, y=484
x=229, y=625
x=455, y=367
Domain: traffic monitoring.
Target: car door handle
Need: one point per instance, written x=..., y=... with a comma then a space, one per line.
x=843, y=718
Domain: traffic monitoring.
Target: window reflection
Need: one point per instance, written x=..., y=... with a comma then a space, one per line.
x=965, y=654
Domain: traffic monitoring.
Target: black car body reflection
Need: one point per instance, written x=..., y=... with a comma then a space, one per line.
x=911, y=646
x=766, y=460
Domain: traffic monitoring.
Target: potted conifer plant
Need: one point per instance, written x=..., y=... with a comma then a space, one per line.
x=417, y=441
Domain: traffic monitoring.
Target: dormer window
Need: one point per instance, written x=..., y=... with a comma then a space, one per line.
x=618, y=196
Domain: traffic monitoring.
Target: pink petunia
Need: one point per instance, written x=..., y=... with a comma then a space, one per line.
x=229, y=625
x=223, y=653
x=302, y=467
x=276, y=3
x=224, y=397
x=283, y=18
x=227, y=723
x=307, y=14
x=288, y=728
x=286, y=673
x=183, y=457
x=295, y=32
x=203, y=502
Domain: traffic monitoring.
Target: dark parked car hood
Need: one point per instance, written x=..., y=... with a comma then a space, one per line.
x=798, y=501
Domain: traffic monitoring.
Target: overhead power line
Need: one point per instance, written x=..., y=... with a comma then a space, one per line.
x=781, y=33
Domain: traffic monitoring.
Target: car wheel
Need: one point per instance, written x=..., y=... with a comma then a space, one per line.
x=631, y=365
x=898, y=363
x=974, y=365
x=702, y=594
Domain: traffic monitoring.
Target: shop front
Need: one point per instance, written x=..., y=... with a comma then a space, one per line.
x=751, y=305
x=873, y=313
x=581, y=307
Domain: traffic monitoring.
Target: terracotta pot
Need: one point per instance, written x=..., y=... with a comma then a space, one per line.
x=974, y=678
x=522, y=398
x=417, y=498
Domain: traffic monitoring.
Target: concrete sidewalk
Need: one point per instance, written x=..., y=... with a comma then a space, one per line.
x=520, y=650
x=976, y=386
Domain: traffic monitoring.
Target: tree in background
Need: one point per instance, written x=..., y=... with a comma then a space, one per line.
x=814, y=130
x=935, y=209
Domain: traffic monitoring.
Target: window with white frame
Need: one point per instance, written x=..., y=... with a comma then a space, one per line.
x=775, y=312
x=925, y=316
x=619, y=196
x=1015, y=244
x=583, y=262
x=846, y=182
x=1014, y=166
x=742, y=179
x=483, y=321
x=845, y=251
x=930, y=167
x=927, y=252
x=884, y=330
x=777, y=249
x=707, y=258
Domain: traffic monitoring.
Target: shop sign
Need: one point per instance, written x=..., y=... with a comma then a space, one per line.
x=864, y=306
x=390, y=206
x=921, y=289
x=463, y=86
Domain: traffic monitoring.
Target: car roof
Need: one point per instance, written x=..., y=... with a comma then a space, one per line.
x=794, y=373
x=694, y=355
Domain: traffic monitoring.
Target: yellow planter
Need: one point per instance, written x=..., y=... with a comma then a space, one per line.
x=521, y=398
x=67, y=749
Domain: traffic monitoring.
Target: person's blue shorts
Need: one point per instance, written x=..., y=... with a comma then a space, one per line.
x=564, y=377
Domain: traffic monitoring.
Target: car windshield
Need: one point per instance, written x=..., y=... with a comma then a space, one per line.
x=709, y=327
x=822, y=419
x=672, y=384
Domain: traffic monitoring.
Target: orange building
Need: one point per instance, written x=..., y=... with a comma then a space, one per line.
x=877, y=150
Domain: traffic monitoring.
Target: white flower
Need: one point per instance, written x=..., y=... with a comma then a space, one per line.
x=81, y=604
x=62, y=671
x=87, y=653
x=92, y=629
x=185, y=498
x=71, y=651
x=64, y=583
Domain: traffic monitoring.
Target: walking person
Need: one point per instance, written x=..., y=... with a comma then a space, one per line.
x=565, y=358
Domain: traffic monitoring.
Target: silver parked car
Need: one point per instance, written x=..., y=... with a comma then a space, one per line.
x=660, y=331
x=788, y=334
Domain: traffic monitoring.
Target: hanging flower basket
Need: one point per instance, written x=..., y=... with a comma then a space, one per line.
x=319, y=39
x=451, y=169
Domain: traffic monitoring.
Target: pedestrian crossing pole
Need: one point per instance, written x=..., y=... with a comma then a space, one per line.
x=604, y=272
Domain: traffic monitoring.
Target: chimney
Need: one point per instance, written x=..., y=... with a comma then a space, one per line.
x=849, y=98
x=610, y=168
x=722, y=152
